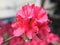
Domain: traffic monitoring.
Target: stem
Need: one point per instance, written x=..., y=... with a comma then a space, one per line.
x=8, y=39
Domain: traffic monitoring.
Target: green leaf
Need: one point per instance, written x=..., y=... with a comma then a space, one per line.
x=5, y=37
x=26, y=38
x=57, y=43
x=5, y=43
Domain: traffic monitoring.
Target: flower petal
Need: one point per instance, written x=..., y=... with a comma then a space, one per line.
x=1, y=40
x=18, y=32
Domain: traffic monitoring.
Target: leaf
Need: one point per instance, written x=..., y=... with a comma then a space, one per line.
x=5, y=37
x=56, y=43
x=5, y=43
x=26, y=38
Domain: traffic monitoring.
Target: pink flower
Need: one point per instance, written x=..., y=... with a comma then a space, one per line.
x=32, y=22
x=52, y=38
x=28, y=18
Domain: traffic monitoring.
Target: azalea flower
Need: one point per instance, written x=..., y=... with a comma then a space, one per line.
x=29, y=16
x=52, y=38
x=32, y=25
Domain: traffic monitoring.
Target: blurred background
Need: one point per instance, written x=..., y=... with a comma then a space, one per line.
x=8, y=9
